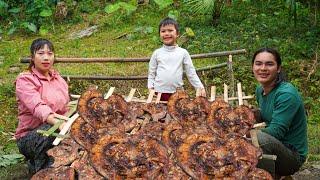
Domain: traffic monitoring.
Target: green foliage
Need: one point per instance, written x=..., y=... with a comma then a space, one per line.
x=163, y=3
x=122, y=7
x=10, y=159
x=27, y=15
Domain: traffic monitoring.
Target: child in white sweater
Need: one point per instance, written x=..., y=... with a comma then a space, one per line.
x=167, y=63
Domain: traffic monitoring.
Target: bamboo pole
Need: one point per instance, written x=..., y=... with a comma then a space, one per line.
x=142, y=59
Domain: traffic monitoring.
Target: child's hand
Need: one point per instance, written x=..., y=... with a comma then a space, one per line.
x=201, y=92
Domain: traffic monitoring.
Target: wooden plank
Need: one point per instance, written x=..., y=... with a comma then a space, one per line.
x=65, y=128
x=213, y=93
x=151, y=93
x=225, y=93
x=106, y=96
x=239, y=88
x=131, y=93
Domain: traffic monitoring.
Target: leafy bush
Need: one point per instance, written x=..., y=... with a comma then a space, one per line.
x=10, y=159
x=30, y=15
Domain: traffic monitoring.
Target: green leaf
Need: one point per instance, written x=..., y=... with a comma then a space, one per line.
x=46, y=13
x=128, y=7
x=14, y=10
x=163, y=3
x=12, y=30
x=10, y=159
x=174, y=14
x=112, y=8
x=148, y=30
x=3, y=5
x=189, y=32
x=32, y=27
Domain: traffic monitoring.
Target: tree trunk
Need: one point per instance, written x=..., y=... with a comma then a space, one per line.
x=217, y=9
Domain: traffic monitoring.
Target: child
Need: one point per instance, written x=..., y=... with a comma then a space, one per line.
x=168, y=62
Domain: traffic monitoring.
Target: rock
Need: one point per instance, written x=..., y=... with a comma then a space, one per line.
x=317, y=166
x=14, y=69
x=84, y=33
x=305, y=172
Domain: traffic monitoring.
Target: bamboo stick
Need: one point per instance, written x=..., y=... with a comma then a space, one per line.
x=131, y=93
x=106, y=96
x=151, y=93
x=225, y=93
x=65, y=128
x=213, y=93
x=240, y=100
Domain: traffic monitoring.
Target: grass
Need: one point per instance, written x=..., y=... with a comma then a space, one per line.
x=250, y=28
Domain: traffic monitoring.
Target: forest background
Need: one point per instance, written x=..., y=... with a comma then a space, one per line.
x=130, y=29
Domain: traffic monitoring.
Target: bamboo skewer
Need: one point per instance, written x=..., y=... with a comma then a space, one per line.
x=225, y=93
x=65, y=128
x=131, y=93
x=213, y=93
x=106, y=96
x=240, y=100
x=151, y=93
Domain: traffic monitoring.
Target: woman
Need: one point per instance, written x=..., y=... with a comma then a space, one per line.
x=283, y=111
x=41, y=92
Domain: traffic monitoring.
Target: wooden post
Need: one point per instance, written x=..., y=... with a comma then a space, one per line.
x=106, y=96
x=225, y=93
x=213, y=93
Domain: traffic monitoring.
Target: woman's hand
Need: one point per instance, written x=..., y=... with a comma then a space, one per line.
x=52, y=120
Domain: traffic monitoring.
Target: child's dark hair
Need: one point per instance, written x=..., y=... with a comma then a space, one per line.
x=169, y=21
x=281, y=75
x=36, y=45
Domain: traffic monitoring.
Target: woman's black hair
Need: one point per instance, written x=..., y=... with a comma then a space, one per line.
x=36, y=45
x=169, y=21
x=281, y=77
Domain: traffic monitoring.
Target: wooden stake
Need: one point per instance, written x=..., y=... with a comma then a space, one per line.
x=131, y=93
x=65, y=128
x=151, y=93
x=225, y=93
x=106, y=96
x=213, y=93
x=240, y=94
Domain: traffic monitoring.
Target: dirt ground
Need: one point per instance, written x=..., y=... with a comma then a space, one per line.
x=310, y=171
